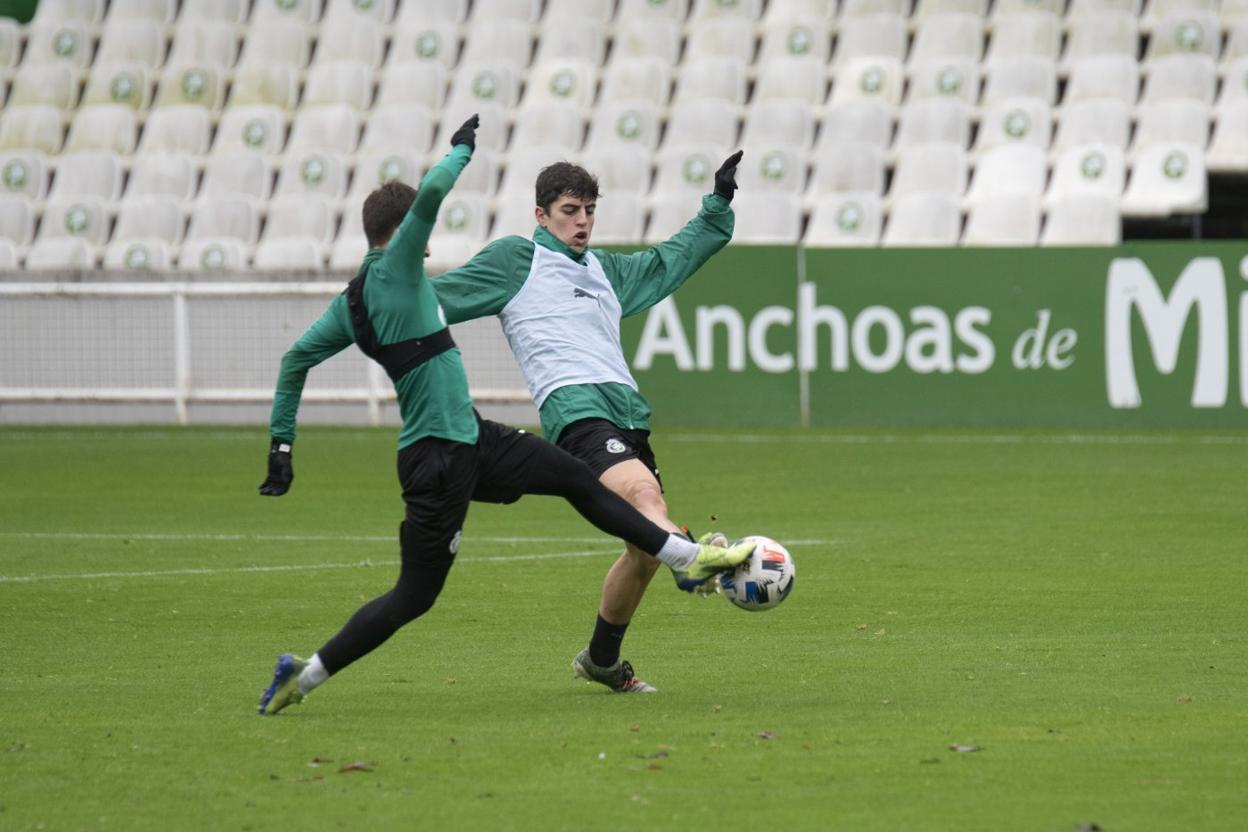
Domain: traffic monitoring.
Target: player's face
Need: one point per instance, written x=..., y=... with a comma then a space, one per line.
x=570, y=219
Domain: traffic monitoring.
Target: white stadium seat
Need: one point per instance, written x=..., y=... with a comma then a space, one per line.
x=1104, y=76
x=60, y=254
x=631, y=123
x=298, y=11
x=808, y=37
x=37, y=127
x=803, y=80
x=315, y=174
x=701, y=123
x=1172, y=120
x=237, y=174
x=183, y=129
x=948, y=35
x=228, y=217
x=204, y=42
x=526, y=11
x=562, y=82
x=332, y=128
x=1181, y=76
x=1167, y=178
x=132, y=42
x=163, y=174
x=772, y=169
x=1027, y=77
x=432, y=41
x=196, y=85
x=223, y=11
x=1015, y=120
x=619, y=169
x=779, y=122
x=953, y=78
x=347, y=83
x=923, y=219
x=872, y=78
x=578, y=39
x=66, y=11
x=110, y=127
x=413, y=82
x=1186, y=33
x=711, y=79
x=507, y=42
x=407, y=128
x=726, y=37
x=1083, y=221
x=768, y=219
x=281, y=41
x=1007, y=171
x=213, y=255
x=24, y=173
x=934, y=120
x=1228, y=152
x=620, y=219
x=716, y=9
x=91, y=174
x=266, y=85
x=354, y=38
x=637, y=78
x=149, y=218
x=17, y=219
x=82, y=218
x=641, y=37
x=1094, y=121
x=1103, y=33
x=1035, y=34
x=939, y=168
x=140, y=255
x=675, y=10
x=289, y=254
x=849, y=167
x=373, y=169
x=1003, y=221
x=127, y=84
x=557, y=125
x=857, y=121
x=871, y=36
x=1089, y=170
x=842, y=220
x=47, y=85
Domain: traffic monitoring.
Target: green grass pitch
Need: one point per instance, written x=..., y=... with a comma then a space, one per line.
x=1070, y=607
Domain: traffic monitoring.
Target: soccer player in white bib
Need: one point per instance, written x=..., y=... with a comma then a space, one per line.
x=560, y=304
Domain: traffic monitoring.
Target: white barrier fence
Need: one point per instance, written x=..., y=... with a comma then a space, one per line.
x=189, y=343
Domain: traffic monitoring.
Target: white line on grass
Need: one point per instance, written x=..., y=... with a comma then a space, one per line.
x=318, y=538
x=953, y=439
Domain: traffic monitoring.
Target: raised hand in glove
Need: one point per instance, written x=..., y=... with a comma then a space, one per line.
x=726, y=176
x=467, y=133
x=280, y=470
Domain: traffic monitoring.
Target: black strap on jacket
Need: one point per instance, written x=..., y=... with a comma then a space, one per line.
x=397, y=359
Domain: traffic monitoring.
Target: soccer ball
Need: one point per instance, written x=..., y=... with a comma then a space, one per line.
x=764, y=580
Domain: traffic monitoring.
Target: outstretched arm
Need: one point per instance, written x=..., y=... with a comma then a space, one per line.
x=646, y=277
x=485, y=284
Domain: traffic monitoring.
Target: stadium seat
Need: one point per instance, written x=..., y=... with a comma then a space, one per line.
x=37, y=127
x=619, y=169
x=317, y=174
x=480, y=177
x=796, y=37
x=871, y=36
x=675, y=10
x=927, y=8
x=127, y=84
x=934, y=120
x=482, y=84
x=722, y=37
x=577, y=39
x=599, y=11
x=10, y=43
x=773, y=169
x=222, y=255
x=1009, y=170
x=435, y=42
x=47, y=85
x=637, y=78
x=561, y=83
x=269, y=85
x=1089, y=170
x=1173, y=120
x=850, y=167
x=331, y=128
x=198, y=86
x=669, y=213
x=68, y=11
x=1184, y=34
x=857, y=121
x=1236, y=40
x=413, y=82
x=553, y=125
x=789, y=123
x=301, y=216
x=790, y=9
x=256, y=129
x=1094, y=121
x=90, y=174
x=345, y=83
x=110, y=127
x=523, y=165
x=1181, y=76
x=23, y=173
x=526, y=11
x=140, y=255
x=82, y=218
x=399, y=128
x=1003, y=221
x=61, y=254
x=281, y=40
x=373, y=169
x=354, y=38
x=858, y=8
x=845, y=220
x=1035, y=34
x=1103, y=33
x=1083, y=221
x=1235, y=82
x=923, y=219
x=704, y=10
x=1004, y=7
x=1104, y=76
x=939, y=167
x=346, y=13
x=68, y=43
x=163, y=174
x=460, y=232
x=17, y=219
x=212, y=42
x=10, y=257
x=513, y=217
x=952, y=78
x=711, y=79
x=294, y=254
x=182, y=129
x=1228, y=152
x=439, y=11
x=149, y=218
x=1015, y=120
x=877, y=79
x=299, y=11
x=1082, y=8
x=1027, y=77
x=631, y=123
x=238, y=174
x=220, y=11
x=1167, y=178
x=948, y=36
x=639, y=37
x=224, y=217
x=508, y=42
x=681, y=172
x=132, y=42
x=347, y=253
x=803, y=80
x=701, y=124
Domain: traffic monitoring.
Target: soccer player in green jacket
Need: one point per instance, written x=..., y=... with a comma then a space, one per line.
x=560, y=304
x=448, y=455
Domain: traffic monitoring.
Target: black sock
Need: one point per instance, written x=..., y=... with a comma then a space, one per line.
x=604, y=648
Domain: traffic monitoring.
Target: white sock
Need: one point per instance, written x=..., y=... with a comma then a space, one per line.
x=312, y=675
x=678, y=552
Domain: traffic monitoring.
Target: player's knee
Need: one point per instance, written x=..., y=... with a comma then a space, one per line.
x=647, y=498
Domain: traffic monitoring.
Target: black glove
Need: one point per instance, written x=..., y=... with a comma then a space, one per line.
x=726, y=176
x=280, y=471
x=467, y=133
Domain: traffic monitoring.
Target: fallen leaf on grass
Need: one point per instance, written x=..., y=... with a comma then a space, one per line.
x=1088, y=827
x=635, y=728
x=654, y=767
x=1184, y=699
x=929, y=761
x=358, y=765
x=716, y=708
x=962, y=749
x=880, y=632
x=319, y=761
x=659, y=755
x=861, y=627
x=766, y=735
x=450, y=680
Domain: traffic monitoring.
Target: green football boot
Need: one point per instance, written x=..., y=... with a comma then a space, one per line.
x=285, y=688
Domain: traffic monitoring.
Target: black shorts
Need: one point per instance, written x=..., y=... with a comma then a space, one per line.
x=601, y=444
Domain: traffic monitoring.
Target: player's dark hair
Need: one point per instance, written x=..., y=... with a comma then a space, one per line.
x=564, y=178
x=384, y=209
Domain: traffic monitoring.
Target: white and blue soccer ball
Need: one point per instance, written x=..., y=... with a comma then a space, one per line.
x=764, y=580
